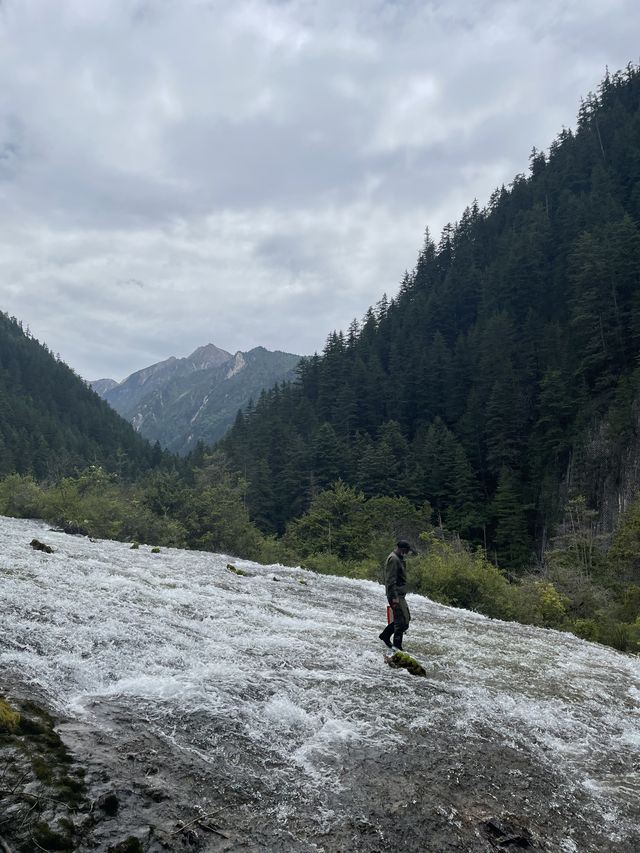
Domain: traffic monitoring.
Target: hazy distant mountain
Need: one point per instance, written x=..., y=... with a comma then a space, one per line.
x=128, y=396
x=101, y=386
x=181, y=401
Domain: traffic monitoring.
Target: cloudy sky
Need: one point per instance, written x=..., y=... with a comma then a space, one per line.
x=259, y=172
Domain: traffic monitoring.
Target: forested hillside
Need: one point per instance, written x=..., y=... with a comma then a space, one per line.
x=473, y=387
x=51, y=423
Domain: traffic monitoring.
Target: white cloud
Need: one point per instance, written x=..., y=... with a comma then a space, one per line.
x=265, y=169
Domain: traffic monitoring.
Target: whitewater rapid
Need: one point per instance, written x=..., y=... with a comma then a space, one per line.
x=275, y=682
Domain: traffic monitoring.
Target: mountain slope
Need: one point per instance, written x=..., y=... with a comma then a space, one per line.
x=128, y=396
x=180, y=402
x=51, y=423
x=474, y=388
x=262, y=700
x=101, y=386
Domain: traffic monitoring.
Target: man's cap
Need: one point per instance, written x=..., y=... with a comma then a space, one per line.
x=405, y=546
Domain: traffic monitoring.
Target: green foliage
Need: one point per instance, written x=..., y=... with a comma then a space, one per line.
x=624, y=554
x=98, y=504
x=209, y=515
x=538, y=602
x=20, y=497
x=333, y=525
x=451, y=573
x=343, y=526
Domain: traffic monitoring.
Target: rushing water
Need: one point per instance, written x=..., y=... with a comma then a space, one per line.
x=266, y=695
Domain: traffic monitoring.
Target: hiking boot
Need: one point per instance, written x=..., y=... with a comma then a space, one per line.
x=386, y=640
x=395, y=648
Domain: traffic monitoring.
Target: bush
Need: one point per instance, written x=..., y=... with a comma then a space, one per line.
x=586, y=629
x=450, y=572
x=538, y=602
x=21, y=497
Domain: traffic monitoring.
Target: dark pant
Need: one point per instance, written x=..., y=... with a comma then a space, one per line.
x=401, y=619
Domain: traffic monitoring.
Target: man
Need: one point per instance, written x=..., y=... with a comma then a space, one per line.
x=395, y=583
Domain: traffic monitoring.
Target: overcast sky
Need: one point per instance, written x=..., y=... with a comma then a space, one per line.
x=178, y=172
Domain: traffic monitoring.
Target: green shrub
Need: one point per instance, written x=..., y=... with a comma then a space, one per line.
x=586, y=629
x=20, y=497
x=453, y=574
x=617, y=634
x=538, y=602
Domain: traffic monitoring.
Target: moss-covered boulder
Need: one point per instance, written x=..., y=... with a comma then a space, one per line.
x=237, y=571
x=401, y=660
x=9, y=719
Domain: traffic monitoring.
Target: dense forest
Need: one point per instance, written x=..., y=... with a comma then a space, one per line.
x=473, y=387
x=52, y=423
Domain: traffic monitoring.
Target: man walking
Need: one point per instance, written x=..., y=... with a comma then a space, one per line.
x=395, y=583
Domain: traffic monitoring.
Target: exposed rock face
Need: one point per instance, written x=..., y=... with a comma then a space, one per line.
x=605, y=469
x=102, y=386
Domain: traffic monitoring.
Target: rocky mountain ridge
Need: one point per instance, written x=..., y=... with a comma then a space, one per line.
x=182, y=401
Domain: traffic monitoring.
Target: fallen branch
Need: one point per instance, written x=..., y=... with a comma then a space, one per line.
x=22, y=795
x=197, y=820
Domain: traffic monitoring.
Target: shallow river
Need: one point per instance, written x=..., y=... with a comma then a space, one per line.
x=265, y=698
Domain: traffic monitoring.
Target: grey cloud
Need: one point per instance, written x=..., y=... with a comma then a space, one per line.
x=266, y=169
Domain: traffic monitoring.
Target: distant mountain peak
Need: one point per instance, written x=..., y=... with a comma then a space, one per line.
x=101, y=386
x=208, y=356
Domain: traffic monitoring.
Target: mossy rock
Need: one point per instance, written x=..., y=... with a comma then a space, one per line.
x=49, y=839
x=401, y=660
x=134, y=546
x=155, y=550
x=237, y=571
x=9, y=719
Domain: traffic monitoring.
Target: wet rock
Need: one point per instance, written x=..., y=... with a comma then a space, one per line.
x=40, y=546
x=129, y=845
x=109, y=803
x=73, y=528
x=237, y=571
x=504, y=835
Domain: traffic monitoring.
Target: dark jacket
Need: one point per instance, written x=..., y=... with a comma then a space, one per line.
x=395, y=576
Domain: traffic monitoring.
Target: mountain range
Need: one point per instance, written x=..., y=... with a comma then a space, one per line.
x=182, y=401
